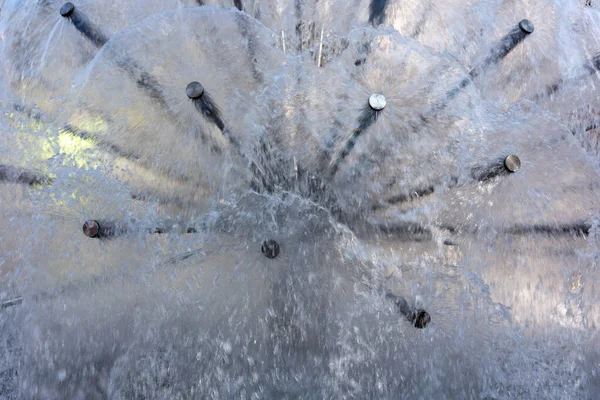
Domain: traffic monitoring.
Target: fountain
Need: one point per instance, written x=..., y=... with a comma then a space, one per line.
x=299, y=199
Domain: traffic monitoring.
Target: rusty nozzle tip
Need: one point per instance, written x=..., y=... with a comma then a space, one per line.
x=91, y=228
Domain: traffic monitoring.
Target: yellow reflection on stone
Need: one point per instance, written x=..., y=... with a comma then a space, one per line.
x=76, y=149
x=47, y=150
x=89, y=123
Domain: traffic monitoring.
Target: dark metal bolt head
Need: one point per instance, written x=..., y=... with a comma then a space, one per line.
x=67, y=9
x=194, y=90
x=422, y=318
x=270, y=248
x=91, y=228
x=512, y=163
x=526, y=26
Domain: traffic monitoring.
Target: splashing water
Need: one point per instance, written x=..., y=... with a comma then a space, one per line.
x=299, y=199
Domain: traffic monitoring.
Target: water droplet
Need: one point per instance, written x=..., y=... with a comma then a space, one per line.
x=62, y=375
x=576, y=283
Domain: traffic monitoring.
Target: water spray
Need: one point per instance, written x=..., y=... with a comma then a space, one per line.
x=507, y=166
x=143, y=79
x=207, y=107
x=497, y=53
x=418, y=317
x=96, y=229
x=17, y=175
x=377, y=12
x=367, y=118
x=591, y=67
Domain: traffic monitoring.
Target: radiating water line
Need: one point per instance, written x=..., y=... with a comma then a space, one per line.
x=22, y=176
x=320, y=60
x=367, y=117
x=283, y=39
x=377, y=11
x=59, y=23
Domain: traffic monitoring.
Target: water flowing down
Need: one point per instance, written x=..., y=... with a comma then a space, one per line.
x=299, y=199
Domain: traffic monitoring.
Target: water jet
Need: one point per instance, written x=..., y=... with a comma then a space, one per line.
x=389, y=161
